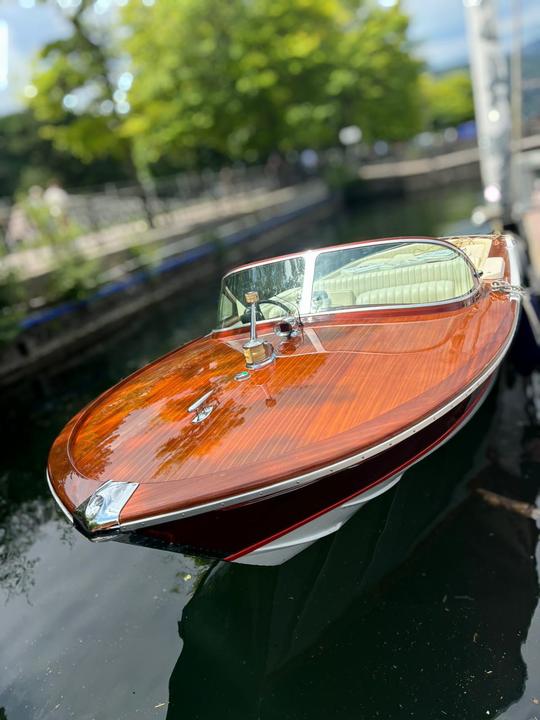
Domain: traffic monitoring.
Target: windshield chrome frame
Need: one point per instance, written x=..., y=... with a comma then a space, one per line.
x=310, y=258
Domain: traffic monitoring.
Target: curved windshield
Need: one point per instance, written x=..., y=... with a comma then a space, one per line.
x=404, y=272
x=278, y=283
x=410, y=273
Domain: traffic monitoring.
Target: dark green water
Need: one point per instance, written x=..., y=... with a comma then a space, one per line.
x=422, y=606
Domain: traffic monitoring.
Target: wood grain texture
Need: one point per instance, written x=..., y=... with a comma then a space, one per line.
x=239, y=529
x=350, y=382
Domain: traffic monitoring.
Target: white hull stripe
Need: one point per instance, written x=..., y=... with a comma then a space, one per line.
x=291, y=543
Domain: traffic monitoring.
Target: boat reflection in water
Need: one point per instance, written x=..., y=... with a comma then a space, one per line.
x=359, y=625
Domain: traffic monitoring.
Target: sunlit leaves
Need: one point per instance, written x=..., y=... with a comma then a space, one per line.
x=76, y=98
x=242, y=79
x=228, y=80
x=448, y=98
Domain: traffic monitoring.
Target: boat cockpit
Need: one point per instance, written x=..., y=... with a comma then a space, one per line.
x=396, y=272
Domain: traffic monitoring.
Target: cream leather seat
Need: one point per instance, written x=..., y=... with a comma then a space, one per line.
x=424, y=292
x=477, y=247
x=361, y=282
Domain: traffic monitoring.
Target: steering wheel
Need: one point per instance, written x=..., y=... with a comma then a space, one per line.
x=246, y=315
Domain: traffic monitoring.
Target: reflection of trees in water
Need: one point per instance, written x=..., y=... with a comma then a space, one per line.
x=198, y=439
x=359, y=626
x=160, y=394
x=18, y=532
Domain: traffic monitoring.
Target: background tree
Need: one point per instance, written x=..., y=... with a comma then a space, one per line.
x=218, y=81
x=236, y=79
x=448, y=98
x=29, y=159
x=79, y=100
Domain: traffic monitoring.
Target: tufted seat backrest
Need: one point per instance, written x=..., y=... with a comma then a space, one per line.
x=424, y=292
x=359, y=282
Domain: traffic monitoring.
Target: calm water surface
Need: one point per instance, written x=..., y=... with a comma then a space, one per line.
x=422, y=606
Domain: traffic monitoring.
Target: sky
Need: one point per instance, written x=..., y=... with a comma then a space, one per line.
x=438, y=26
x=437, y=30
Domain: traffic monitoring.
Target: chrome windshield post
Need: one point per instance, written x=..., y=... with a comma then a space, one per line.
x=252, y=298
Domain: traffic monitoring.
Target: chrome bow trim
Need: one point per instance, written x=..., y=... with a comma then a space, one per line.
x=101, y=511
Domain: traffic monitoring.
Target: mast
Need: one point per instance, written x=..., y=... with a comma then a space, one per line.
x=492, y=107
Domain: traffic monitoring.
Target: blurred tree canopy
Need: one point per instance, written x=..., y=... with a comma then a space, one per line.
x=76, y=82
x=448, y=98
x=242, y=79
x=216, y=81
x=29, y=159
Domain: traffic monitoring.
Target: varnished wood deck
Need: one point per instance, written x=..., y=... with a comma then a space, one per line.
x=354, y=380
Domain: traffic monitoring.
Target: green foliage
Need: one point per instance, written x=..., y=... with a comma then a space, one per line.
x=29, y=159
x=239, y=80
x=47, y=229
x=74, y=277
x=80, y=67
x=145, y=255
x=12, y=298
x=11, y=289
x=22, y=151
x=218, y=81
x=448, y=99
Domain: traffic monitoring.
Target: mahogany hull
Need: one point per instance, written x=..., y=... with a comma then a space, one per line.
x=233, y=534
x=347, y=404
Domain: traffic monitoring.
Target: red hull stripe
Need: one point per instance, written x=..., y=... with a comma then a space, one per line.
x=476, y=398
x=235, y=531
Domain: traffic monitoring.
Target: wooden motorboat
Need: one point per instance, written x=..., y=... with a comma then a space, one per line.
x=330, y=373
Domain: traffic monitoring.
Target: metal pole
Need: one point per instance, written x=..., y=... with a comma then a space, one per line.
x=516, y=100
x=516, y=75
x=492, y=107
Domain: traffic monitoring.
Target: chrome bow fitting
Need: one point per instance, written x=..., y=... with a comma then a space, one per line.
x=258, y=353
x=101, y=511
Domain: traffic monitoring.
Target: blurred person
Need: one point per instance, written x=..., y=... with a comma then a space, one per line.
x=226, y=181
x=274, y=169
x=20, y=227
x=56, y=199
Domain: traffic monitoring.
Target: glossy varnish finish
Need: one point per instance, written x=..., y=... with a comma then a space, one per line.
x=235, y=531
x=350, y=382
